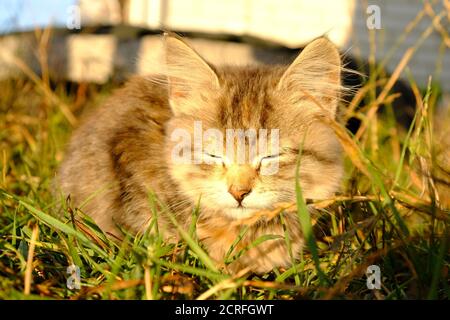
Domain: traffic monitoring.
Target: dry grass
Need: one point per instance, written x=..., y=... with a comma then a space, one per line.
x=393, y=211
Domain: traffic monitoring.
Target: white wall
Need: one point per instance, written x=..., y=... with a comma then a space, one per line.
x=293, y=23
x=289, y=22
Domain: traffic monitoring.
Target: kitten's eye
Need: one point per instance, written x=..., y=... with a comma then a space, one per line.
x=268, y=159
x=273, y=156
x=212, y=158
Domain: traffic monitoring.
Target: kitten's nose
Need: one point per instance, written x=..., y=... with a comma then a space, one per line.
x=239, y=193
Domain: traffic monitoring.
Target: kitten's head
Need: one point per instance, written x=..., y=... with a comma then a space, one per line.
x=278, y=112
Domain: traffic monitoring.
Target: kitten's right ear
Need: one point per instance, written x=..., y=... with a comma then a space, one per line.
x=187, y=73
x=316, y=74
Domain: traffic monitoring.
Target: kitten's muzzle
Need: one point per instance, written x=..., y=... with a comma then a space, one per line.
x=239, y=193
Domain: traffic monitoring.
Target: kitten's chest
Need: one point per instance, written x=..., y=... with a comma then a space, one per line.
x=241, y=246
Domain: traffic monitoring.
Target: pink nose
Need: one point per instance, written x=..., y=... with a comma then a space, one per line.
x=239, y=193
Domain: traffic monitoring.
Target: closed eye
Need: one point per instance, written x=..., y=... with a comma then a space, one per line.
x=273, y=156
x=213, y=155
x=268, y=159
x=210, y=158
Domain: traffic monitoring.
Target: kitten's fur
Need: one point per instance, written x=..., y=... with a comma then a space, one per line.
x=123, y=150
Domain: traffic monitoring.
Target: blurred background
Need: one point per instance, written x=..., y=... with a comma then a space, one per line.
x=97, y=40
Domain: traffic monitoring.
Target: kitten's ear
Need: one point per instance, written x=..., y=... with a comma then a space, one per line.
x=187, y=73
x=314, y=75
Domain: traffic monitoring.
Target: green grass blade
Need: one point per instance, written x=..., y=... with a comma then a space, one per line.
x=305, y=222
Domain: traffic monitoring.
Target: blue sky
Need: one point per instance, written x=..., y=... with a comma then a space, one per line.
x=27, y=14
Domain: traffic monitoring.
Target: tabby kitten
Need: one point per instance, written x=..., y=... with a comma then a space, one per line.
x=124, y=150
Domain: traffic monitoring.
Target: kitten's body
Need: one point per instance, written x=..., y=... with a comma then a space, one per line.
x=123, y=151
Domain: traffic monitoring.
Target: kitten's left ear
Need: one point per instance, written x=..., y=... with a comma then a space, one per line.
x=314, y=75
x=187, y=73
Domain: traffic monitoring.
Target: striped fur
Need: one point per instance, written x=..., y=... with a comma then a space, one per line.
x=123, y=149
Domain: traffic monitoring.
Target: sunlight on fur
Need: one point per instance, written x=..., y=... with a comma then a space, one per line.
x=126, y=143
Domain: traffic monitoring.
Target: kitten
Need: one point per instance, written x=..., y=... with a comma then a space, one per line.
x=125, y=149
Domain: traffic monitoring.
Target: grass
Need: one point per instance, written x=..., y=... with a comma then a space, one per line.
x=393, y=212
